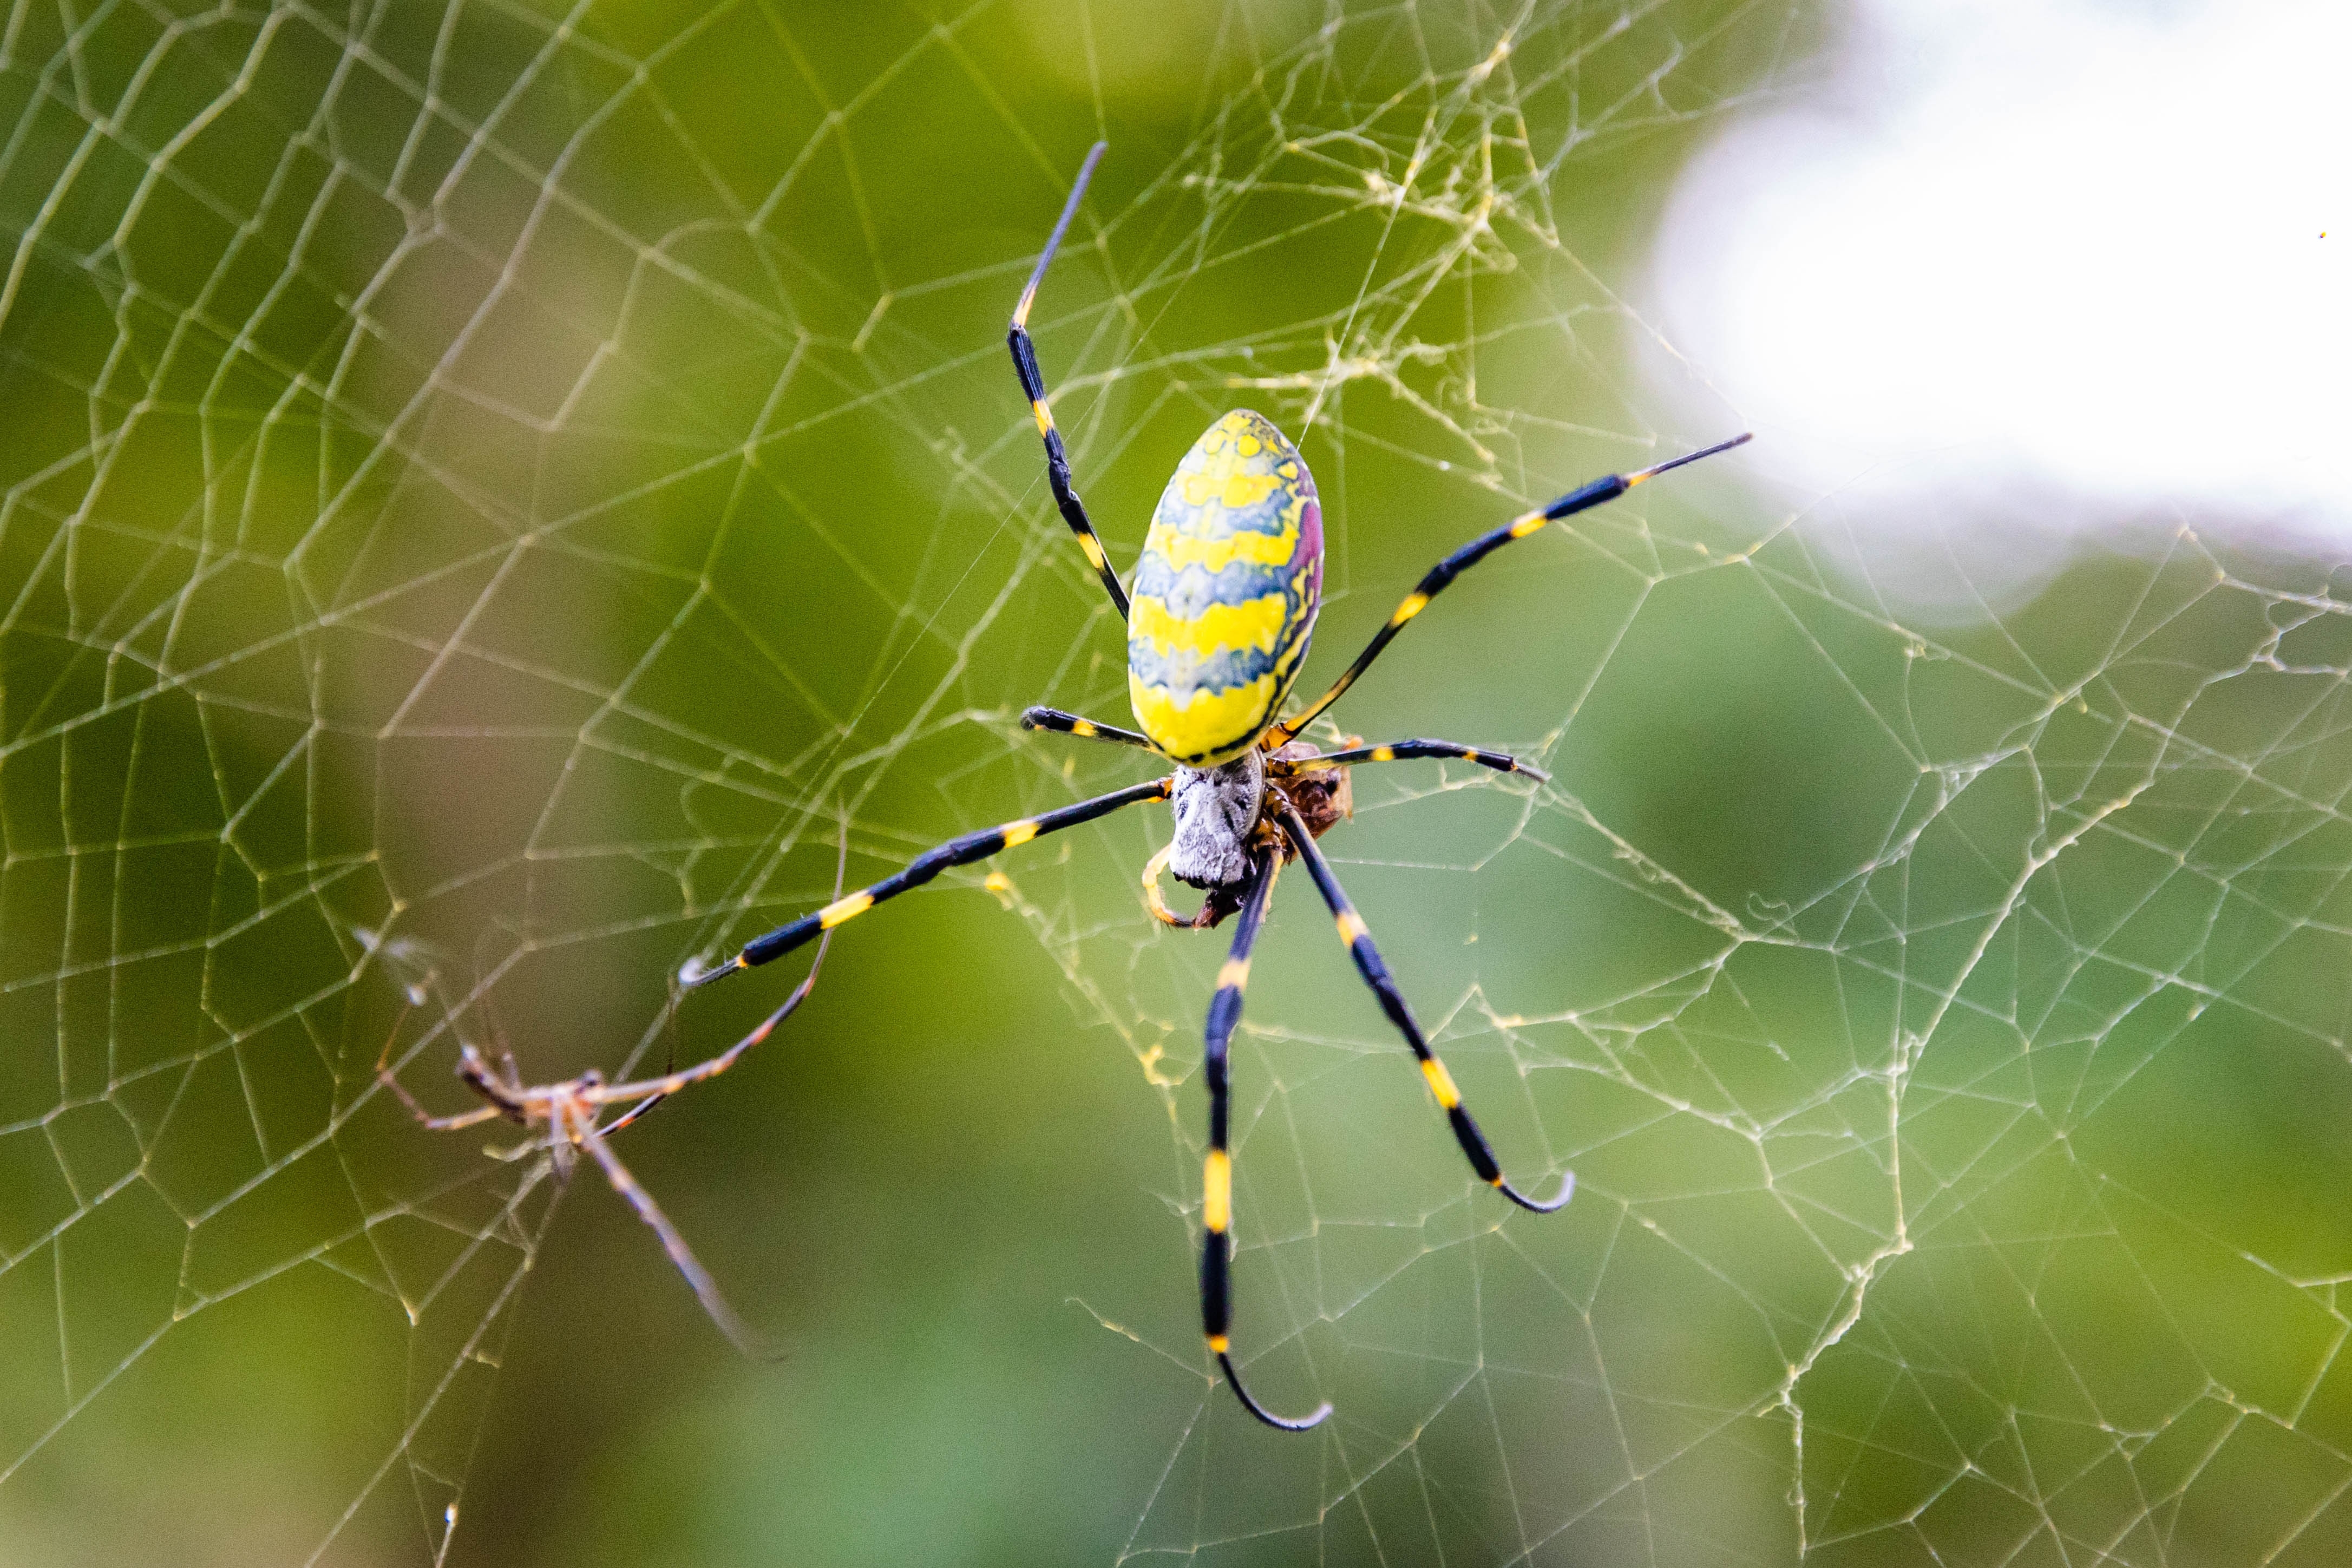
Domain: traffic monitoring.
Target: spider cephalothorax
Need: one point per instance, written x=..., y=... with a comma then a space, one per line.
x=1220, y=812
x=1219, y=832
x=1216, y=811
x=1227, y=587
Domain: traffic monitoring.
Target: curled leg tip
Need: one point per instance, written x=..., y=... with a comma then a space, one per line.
x=1280, y=1423
x=1552, y=1204
x=748, y=1342
x=693, y=974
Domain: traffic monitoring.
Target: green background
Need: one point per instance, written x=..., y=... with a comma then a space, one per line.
x=491, y=492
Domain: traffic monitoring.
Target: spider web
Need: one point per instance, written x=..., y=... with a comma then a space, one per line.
x=492, y=496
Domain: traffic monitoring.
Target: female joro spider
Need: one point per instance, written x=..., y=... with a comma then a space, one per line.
x=1225, y=601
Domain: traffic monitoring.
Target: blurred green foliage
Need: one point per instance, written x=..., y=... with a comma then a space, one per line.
x=489, y=493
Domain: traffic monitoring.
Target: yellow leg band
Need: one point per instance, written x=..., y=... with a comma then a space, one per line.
x=1441, y=1083
x=1217, y=1191
x=833, y=914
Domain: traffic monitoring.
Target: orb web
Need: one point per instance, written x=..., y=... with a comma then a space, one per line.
x=494, y=496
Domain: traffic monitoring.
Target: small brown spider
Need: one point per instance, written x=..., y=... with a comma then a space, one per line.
x=566, y=1118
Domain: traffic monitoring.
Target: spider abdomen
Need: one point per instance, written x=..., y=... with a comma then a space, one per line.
x=1225, y=592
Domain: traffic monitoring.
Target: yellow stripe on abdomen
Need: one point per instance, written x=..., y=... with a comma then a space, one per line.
x=1202, y=729
x=1217, y=628
x=1212, y=555
x=1223, y=484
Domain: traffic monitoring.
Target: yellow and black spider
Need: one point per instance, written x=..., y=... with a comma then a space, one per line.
x=1224, y=603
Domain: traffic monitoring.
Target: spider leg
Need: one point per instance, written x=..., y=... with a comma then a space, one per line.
x=1606, y=489
x=706, y=1288
x=1033, y=387
x=1217, y=1173
x=655, y=1094
x=473, y=1118
x=1062, y=722
x=505, y=1072
x=654, y=1091
x=1215, y=905
x=1376, y=975
x=670, y=1081
x=1406, y=750
x=923, y=868
x=495, y=1106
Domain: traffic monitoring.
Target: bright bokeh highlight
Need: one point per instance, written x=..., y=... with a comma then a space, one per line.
x=2080, y=245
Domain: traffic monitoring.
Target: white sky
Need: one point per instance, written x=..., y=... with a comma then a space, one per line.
x=2041, y=246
